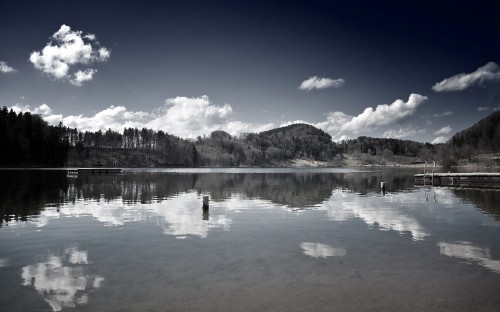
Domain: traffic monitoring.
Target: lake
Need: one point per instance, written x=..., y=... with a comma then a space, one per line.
x=273, y=240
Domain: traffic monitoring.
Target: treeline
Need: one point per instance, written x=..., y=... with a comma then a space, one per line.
x=267, y=148
x=133, y=147
x=470, y=145
x=388, y=147
x=31, y=141
x=27, y=140
x=145, y=147
x=483, y=135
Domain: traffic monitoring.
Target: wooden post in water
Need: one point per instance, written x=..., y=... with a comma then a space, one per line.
x=205, y=204
x=433, y=166
x=425, y=168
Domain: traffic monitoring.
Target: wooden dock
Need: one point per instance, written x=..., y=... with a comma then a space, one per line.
x=473, y=179
x=94, y=171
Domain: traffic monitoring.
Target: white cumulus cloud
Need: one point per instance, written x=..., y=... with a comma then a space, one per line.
x=385, y=114
x=82, y=75
x=114, y=117
x=342, y=126
x=191, y=117
x=462, y=81
x=439, y=139
x=187, y=117
x=238, y=127
x=320, y=83
x=43, y=109
x=4, y=68
x=483, y=108
x=444, y=130
x=66, y=50
x=382, y=115
x=399, y=134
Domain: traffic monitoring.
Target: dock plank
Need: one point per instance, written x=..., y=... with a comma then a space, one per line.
x=466, y=179
x=95, y=171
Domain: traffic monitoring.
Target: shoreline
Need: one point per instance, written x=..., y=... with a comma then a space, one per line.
x=292, y=165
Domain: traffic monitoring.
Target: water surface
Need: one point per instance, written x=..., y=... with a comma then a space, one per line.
x=273, y=240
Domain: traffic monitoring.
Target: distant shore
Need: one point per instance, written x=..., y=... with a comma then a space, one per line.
x=481, y=163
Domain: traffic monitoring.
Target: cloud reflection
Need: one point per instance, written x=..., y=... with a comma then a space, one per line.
x=61, y=280
x=384, y=212
x=318, y=250
x=181, y=215
x=469, y=252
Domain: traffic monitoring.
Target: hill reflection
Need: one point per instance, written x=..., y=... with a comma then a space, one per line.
x=288, y=189
x=26, y=193
x=486, y=200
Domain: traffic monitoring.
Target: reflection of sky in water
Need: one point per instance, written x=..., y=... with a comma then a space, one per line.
x=181, y=215
x=61, y=280
x=261, y=253
x=384, y=211
x=318, y=250
x=469, y=252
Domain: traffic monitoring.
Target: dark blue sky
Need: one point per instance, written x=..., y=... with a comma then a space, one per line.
x=190, y=67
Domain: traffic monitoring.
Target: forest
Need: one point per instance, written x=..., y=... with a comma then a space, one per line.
x=276, y=147
x=30, y=141
x=483, y=135
x=27, y=140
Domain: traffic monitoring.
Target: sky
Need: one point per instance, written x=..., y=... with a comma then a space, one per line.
x=410, y=70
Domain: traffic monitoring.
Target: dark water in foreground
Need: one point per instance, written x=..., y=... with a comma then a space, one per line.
x=274, y=240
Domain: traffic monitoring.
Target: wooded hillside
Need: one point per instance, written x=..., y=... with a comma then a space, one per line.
x=483, y=135
x=27, y=139
x=30, y=141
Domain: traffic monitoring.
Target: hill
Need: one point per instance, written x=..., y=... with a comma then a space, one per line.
x=268, y=148
x=29, y=140
x=476, y=145
x=298, y=130
x=484, y=135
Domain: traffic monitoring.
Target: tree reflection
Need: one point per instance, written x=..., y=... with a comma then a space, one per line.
x=486, y=200
x=26, y=193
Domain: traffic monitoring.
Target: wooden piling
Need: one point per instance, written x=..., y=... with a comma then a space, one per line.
x=205, y=204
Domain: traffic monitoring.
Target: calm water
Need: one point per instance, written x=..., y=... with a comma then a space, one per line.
x=274, y=240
